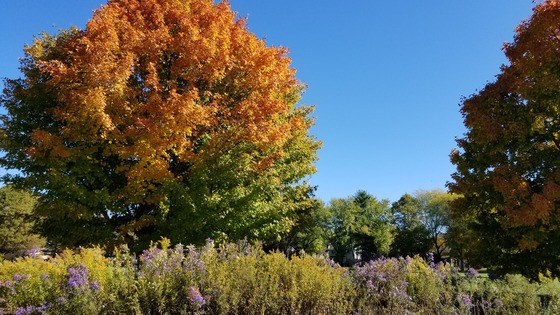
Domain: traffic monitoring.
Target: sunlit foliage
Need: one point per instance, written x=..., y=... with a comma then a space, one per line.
x=161, y=117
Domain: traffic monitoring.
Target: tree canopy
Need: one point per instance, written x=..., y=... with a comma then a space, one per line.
x=17, y=222
x=508, y=162
x=422, y=222
x=411, y=236
x=360, y=223
x=160, y=117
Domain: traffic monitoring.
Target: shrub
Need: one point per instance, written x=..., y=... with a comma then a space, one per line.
x=242, y=279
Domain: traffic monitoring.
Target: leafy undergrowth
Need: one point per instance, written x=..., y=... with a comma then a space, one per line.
x=242, y=279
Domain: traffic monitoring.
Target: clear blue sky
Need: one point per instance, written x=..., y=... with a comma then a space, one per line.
x=386, y=77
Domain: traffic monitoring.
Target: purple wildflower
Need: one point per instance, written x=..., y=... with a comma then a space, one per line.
x=180, y=249
x=8, y=284
x=431, y=260
x=471, y=273
x=192, y=252
x=196, y=298
x=94, y=286
x=148, y=255
x=22, y=311
x=18, y=277
x=34, y=252
x=498, y=303
x=30, y=309
x=78, y=277
x=466, y=299
x=486, y=304
x=192, y=263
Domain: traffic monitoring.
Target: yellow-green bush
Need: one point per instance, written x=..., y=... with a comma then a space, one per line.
x=243, y=279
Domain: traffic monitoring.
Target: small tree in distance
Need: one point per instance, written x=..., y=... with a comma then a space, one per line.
x=359, y=224
x=411, y=236
x=17, y=233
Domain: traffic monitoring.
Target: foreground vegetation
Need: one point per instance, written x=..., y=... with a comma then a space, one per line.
x=243, y=279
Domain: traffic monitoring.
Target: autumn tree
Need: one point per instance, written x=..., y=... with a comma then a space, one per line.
x=161, y=117
x=508, y=162
x=17, y=222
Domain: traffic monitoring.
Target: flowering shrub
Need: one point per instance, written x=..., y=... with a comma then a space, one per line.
x=242, y=279
x=382, y=285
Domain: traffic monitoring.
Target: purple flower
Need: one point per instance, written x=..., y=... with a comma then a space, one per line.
x=465, y=299
x=22, y=311
x=192, y=263
x=18, y=277
x=34, y=252
x=471, y=272
x=78, y=277
x=486, y=304
x=150, y=254
x=192, y=252
x=30, y=309
x=498, y=303
x=196, y=298
x=8, y=284
x=431, y=260
x=94, y=286
x=180, y=249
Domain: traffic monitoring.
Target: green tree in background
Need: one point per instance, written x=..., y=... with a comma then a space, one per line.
x=360, y=224
x=436, y=207
x=411, y=235
x=422, y=221
x=508, y=162
x=310, y=233
x=17, y=222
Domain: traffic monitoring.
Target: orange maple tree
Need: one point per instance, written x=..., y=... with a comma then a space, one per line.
x=109, y=121
x=508, y=163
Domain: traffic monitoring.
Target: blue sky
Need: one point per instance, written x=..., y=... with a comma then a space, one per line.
x=386, y=77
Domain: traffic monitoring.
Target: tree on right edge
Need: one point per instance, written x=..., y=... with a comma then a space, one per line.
x=508, y=162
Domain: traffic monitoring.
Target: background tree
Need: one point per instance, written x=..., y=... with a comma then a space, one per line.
x=508, y=163
x=360, y=224
x=310, y=233
x=161, y=117
x=460, y=239
x=435, y=207
x=411, y=236
x=17, y=222
x=422, y=222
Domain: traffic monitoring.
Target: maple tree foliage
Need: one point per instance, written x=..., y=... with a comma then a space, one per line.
x=508, y=163
x=162, y=116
